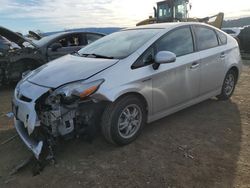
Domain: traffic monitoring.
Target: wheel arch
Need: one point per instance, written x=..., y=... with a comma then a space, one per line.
x=138, y=95
x=141, y=91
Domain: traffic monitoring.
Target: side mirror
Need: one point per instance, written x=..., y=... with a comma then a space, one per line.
x=163, y=57
x=55, y=46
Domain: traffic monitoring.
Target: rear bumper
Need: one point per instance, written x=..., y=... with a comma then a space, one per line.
x=34, y=146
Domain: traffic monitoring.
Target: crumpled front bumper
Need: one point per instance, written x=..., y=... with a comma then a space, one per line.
x=23, y=107
x=34, y=146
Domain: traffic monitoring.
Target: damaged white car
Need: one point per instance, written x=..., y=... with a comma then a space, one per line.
x=124, y=80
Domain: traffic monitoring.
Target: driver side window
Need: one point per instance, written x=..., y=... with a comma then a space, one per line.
x=69, y=41
x=179, y=42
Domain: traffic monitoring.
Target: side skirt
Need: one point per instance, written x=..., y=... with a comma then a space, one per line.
x=182, y=106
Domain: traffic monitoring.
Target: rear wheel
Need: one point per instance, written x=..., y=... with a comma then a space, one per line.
x=123, y=120
x=228, y=85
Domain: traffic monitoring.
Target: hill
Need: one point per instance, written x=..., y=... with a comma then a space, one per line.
x=237, y=22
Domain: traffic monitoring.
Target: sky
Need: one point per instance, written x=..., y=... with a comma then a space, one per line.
x=53, y=15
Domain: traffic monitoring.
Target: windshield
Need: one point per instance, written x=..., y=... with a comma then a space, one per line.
x=120, y=44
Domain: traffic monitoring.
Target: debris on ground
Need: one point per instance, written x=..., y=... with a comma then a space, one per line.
x=10, y=114
x=186, y=151
x=9, y=180
x=21, y=165
x=9, y=140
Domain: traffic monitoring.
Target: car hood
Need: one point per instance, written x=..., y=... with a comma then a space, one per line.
x=14, y=37
x=68, y=69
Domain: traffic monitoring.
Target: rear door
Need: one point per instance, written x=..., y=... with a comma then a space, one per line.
x=212, y=59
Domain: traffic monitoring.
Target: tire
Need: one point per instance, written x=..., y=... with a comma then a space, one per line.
x=228, y=85
x=119, y=124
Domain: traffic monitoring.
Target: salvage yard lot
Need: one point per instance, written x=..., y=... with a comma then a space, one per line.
x=207, y=145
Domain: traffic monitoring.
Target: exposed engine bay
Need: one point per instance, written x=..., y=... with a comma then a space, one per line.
x=68, y=118
x=65, y=113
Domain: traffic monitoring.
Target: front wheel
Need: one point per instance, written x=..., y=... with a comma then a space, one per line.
x=228, y=85
x=123, y=120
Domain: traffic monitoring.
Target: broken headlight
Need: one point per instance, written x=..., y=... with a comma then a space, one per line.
x=77, y=90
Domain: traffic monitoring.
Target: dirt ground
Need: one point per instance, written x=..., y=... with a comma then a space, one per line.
x=207, y=145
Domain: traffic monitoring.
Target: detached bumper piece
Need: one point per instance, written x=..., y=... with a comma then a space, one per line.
x=34, y=146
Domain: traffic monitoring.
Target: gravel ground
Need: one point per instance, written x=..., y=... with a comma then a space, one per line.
x=207, y=145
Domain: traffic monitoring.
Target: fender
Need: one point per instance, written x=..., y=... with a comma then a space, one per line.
x=143, y=88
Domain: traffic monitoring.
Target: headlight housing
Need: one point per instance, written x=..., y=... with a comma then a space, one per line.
x=76, y=90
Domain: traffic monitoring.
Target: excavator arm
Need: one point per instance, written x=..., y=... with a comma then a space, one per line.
x=218, y=21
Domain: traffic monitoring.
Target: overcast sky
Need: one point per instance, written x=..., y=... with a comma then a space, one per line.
x=51, y=15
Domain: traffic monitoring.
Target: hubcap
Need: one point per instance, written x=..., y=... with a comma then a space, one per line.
x=229, y=84
x=129, y=121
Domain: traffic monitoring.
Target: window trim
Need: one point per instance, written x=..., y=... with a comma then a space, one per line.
x=219, y=39
x=164, y=35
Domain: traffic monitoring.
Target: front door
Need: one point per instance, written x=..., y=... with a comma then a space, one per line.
x=176, y=83
x=69, y=44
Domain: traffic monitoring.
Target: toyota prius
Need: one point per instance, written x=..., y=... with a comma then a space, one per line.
x=123, y=81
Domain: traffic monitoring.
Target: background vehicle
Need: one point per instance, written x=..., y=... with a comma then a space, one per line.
x=233, y=31
x=32, y=54
x=124, y=80
x=244, y=38
x=4, y=45
x=177, y=10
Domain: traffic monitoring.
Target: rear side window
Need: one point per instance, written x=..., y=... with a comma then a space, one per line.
x=179, y=42
x=206, y=38
x=222, y=37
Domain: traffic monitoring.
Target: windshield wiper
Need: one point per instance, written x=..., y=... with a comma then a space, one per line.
x=76, y=53
x=97, y=56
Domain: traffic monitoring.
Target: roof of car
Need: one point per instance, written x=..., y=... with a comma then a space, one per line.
x=165, y=25
x=73, y=32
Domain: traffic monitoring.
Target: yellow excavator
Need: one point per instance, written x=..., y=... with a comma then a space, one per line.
x=177, y=11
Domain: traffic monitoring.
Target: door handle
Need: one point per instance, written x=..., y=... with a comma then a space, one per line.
x=195, y=65
x=222, y=55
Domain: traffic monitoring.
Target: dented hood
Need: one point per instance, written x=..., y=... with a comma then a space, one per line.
x=68, y=69
x=14, y=37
